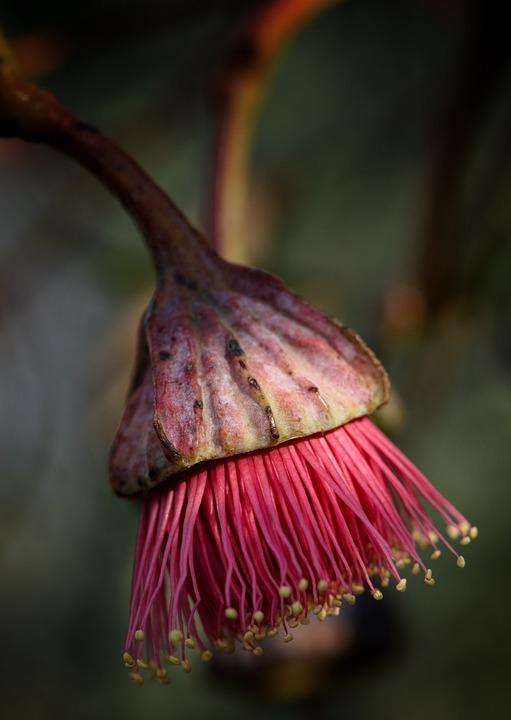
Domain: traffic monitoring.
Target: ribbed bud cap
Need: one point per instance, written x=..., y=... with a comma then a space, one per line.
x=229, y=361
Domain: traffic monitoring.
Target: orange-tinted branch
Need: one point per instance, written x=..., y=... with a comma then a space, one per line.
x=239, y=90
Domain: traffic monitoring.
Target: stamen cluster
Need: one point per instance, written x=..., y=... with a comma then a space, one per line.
x=249, y=547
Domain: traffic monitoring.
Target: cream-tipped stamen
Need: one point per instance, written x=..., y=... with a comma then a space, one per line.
x=428, y=577
x=136, y=677
x=297, y=608
x=128, y=659
x=175, y=636
x=453, y=532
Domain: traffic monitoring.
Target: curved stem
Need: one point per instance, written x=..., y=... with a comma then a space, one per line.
x=239, y=91
x=32, y=114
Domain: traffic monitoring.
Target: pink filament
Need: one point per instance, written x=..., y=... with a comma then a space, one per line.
x=342, y=507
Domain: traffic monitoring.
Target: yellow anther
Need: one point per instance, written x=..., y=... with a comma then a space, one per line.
x=416, y=568
x=453, y=532
x=464, y=527
x=465, y=540
x=433, y=537
x=428, y=577
x=284, y=591
x=401, y=586
x=260, y=636
x=293, y=623
x=128, y=659
x=136, y=677
x=303, y=584
x=272, y=633
x=460, y=562
x=350, y=599
x=259, y=616
x=377, y=594
x=385, y=582
x=258, y=651
x=337, y=603
x=473, y=532
x=185, y=664
x=335, y=611
x=436, y=554
x=161, y=673
x=139, y=635
x=246, y=646
x=142, y=664
x=297, y=608
x=304, y=621
x=322, y=585
x=164, y=680
x=231, y=613
x=322, y=615
x=175, y=636
x=357, y=589
x=317, y=609
x=190, y=643
x=400, y=564
x=206, y=655
x=248, y=636
x=173, y=660
x=288, y=638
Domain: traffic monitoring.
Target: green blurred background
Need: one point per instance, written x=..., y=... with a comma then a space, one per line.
x=380, y=190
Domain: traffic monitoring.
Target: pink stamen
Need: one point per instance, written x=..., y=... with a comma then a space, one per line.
x=250, y=543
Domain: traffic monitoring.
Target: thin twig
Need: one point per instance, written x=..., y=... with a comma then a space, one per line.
x=239, y=88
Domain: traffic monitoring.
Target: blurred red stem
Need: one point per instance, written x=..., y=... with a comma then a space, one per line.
x=239, y=88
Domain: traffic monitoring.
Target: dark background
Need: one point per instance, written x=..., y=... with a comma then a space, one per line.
x=380, y=190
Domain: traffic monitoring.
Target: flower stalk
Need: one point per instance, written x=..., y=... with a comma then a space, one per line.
x=35, y=115
x=238, y=91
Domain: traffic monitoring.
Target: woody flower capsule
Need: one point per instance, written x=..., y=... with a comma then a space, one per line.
x=267, y=495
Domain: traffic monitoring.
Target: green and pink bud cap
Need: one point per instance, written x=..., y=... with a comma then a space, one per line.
x=267, y=494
